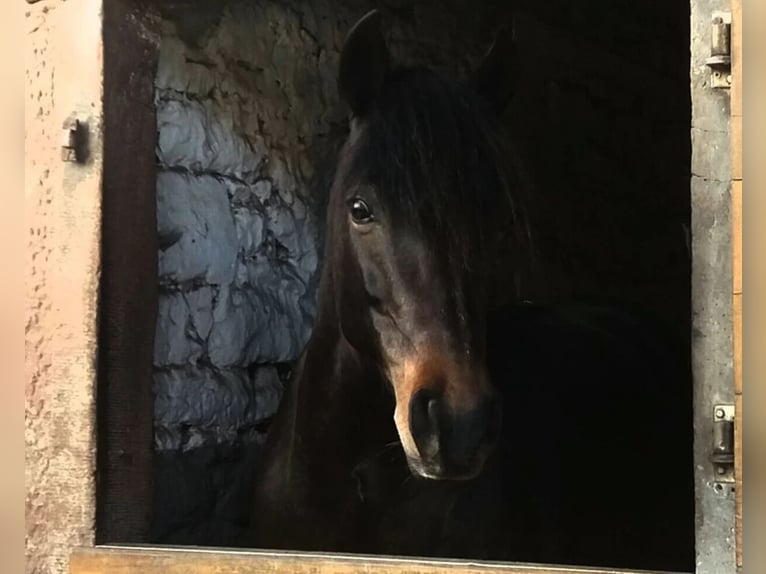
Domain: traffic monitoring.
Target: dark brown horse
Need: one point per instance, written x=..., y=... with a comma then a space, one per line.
x=420, y=421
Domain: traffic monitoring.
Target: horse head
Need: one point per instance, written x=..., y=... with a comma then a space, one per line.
x=422, y=184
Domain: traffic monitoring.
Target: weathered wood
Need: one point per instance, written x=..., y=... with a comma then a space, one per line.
x=136, y=560
x=736, y=239
x=737, y=342
x=129, y=296
x=736, y=147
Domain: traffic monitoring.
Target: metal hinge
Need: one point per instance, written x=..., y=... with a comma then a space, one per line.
x=722, y=456
x=719, y=61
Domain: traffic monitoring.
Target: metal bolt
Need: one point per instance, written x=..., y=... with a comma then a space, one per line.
x=69, y=140
x=75, y=140
x=719, y=414
x=720, y=470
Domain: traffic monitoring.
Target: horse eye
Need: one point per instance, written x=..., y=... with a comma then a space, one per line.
x=360, y=212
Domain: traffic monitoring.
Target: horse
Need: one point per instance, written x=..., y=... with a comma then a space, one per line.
x=420, y=420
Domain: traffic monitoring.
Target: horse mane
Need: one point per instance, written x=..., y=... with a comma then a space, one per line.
x=435, y=146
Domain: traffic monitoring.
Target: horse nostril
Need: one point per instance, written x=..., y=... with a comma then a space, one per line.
x=433, y=415
x=468, y=435
x=424, y=421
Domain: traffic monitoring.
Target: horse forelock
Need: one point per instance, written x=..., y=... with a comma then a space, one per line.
x=438, y=160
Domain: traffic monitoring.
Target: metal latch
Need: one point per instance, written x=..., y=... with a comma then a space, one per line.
x=75, y=141
x=722, y=456
x=719, y=61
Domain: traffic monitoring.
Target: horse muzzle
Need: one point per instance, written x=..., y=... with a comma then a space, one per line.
x=451, y=443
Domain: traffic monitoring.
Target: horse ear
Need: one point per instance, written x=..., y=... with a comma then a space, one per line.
x=496, y=76
x=364, y=63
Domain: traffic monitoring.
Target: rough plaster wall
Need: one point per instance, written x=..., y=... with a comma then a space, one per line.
x=248, y=123
x=62, y=216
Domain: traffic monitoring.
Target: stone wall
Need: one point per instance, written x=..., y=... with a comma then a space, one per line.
x=237, y=260
x=238, y=252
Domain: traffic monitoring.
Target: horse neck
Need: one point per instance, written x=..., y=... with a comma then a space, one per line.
x=336, y=407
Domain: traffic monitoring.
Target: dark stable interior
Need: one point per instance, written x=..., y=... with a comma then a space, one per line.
x=601, y=115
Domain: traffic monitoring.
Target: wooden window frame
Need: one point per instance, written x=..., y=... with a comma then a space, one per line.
x=131, y=559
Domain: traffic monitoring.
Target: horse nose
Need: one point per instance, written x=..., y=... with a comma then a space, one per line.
x=449, y=438
x=425, y=424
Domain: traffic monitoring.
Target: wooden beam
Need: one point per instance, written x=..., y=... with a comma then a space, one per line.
x=138, y=560
x=736, y=240
x=736, y=147
x=128, y=276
